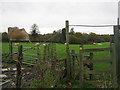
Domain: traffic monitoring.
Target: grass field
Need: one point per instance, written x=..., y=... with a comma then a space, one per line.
x=61, y=52
x=61, y=49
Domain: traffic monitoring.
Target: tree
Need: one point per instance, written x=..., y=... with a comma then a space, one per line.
x=93, y=37
x=72, y=31
x=64, y=34
x=5, y=37
x=34, y=31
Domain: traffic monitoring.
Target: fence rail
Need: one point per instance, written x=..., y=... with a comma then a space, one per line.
x=97, y=72
x=98, y=61
x=29, y=54
x=95, y=50
x=88, y=62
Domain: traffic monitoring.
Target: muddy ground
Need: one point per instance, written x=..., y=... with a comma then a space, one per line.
x=28, y=75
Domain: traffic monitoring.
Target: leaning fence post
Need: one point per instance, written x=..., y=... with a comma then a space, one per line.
x=18, y=66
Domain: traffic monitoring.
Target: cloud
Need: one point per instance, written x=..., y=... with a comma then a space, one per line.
x=53, y=14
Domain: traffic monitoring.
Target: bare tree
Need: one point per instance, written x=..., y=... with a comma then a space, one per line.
x=35, y=31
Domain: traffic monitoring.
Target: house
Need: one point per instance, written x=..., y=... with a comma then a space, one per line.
x=14, y=33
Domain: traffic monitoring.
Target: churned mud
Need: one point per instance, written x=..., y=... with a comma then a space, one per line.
x=9, y=73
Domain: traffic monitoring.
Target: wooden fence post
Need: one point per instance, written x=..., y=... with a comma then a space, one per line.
x=10, y=48
x=73, y=63
x=54, y=52
x=52, y=58
x=48, y=52
x=45, y=53
x=38, y=53
x=81, y=63
x=113, y=73
x=68, y=51
x=18, y=66
x=91, y=65
x=116, y=55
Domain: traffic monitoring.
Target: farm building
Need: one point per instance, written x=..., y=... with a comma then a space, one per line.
x=14, y=33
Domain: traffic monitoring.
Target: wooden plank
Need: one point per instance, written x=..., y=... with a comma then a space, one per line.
x=29, y=57
x=28, y=63
x=96, y=72
x=94, y=82
x=29, y=54
x=26, y=47
x=97, y=61
x=15, y=46
x=95, y=50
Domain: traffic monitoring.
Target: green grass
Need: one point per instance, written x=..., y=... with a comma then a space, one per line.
x=61, y=49
x=61, y=52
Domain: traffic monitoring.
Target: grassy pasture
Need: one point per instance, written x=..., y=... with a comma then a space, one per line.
x=61, y=52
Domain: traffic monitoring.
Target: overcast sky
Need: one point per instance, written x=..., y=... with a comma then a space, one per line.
x=50, y=15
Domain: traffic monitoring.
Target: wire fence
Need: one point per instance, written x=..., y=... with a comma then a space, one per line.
x=93, y=25
x=29, y=48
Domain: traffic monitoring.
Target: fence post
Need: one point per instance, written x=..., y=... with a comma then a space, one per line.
x=73, y=63
x=10, y=48
x=91, y=65
x=113, y=73
x=81, y=63
x=18, y=66
x=68, y=51
x=45, y=53
x=38, y=53
x=48, y=52
x=54, y=52
x=116, y=55
x=52, y=58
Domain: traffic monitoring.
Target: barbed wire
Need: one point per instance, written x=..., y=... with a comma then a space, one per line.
x=93, y=25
